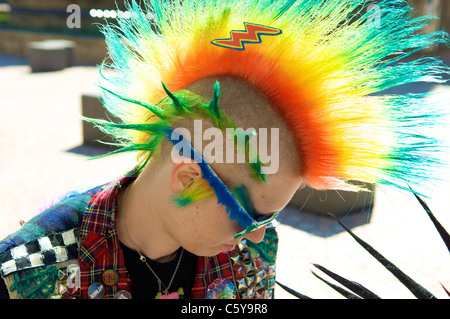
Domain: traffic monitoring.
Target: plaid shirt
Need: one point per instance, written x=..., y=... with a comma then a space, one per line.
x=100, y=248
x=250, y=267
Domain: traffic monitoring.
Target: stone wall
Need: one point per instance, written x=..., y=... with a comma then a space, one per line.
x=432, y=8
x=87, y=50
x=52, y=15
x=58, y=4
x=445, y=20
x=37, y=20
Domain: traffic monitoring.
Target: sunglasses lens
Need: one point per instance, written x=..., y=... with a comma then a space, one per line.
x=257, y=225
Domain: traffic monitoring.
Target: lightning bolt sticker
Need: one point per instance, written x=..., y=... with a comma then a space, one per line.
x=251, y=34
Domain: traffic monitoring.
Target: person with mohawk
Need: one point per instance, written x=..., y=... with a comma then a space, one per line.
x=187, y=223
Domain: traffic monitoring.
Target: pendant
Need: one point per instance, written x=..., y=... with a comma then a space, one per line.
x=174, y=295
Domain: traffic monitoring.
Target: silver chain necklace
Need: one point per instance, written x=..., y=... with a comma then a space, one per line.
x=142, y=257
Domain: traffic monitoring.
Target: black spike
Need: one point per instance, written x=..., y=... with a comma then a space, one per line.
x=357, y=288
x=444, y=234
x=293, y=292
x=417, y=290
x=347, y=294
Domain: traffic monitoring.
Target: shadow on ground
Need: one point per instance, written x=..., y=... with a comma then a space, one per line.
x=12, y=60
x=91, y=150
x=322, y=225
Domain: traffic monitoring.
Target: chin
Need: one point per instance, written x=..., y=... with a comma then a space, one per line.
x=207, y=252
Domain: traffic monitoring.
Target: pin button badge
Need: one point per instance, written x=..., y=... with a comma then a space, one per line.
x=221, y=288
x=122, y=294
x=110, y=277
x=96, y=291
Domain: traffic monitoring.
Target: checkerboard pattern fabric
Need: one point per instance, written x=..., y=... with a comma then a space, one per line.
x=65, y=215
x=47, y=250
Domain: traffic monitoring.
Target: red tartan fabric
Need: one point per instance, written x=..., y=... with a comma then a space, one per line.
x=99, y=244
x=100, y=248
x=208, y=270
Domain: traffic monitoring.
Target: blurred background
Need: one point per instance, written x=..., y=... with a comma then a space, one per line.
x=49, y=52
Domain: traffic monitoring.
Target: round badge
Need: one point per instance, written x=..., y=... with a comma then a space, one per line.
x=122, y=294
x=110, y=277
x=221, y=288
x=96, y=291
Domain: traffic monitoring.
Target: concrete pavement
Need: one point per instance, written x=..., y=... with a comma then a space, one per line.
x=41, y=156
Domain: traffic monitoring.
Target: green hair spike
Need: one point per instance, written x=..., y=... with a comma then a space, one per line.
x=155, y=110
x=176, y=101
x=214, y=106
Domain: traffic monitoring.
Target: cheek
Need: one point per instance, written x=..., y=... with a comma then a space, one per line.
x=208, y=226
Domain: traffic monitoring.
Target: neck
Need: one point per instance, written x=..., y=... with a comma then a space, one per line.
x=144, y=229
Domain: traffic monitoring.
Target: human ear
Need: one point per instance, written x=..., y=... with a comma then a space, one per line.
x=184, y=174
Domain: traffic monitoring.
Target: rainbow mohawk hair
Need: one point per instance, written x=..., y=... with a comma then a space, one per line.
x=320, y=63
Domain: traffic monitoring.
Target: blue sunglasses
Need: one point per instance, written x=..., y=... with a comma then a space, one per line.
x=236, y=201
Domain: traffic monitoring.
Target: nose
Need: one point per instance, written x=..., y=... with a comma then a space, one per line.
x=257, y=235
